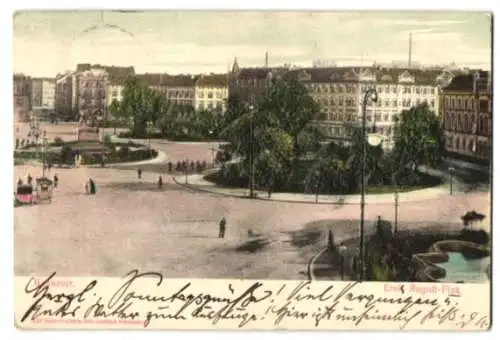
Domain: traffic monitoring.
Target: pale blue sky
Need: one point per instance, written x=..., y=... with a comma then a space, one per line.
x=46, y=43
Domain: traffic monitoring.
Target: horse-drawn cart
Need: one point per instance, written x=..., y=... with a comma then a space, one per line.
x=26, y=194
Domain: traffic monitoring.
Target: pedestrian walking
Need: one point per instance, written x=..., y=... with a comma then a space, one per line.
x=86, y=187
x=92, y=187
x=139, y=173
x=160, y=182
x=222, y=228
x=56, y=180
x=19, y=182
x=30, y=179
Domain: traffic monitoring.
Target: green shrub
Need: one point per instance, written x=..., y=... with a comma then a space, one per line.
x=107, y=140
x=67, y=156
x=58, y=141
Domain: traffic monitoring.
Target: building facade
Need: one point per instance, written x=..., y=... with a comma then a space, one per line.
x=250, y=84
x=91, y=101
x=64, y=103
x=117, y=76
x=466, y=111
x=43, y=96
x=339, y=92
x=180, y=89
x=22, y=93
x=211, y=92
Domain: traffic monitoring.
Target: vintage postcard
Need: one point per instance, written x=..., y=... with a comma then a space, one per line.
x=252, y=170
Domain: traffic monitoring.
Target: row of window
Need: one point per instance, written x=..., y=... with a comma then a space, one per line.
x=350, y=101
x=253, y=82
x=466, y=123
x=468, y=145
x=211, y=94
x=340, y=131
x=346, y=117
x=352, y=88
x=465, y=103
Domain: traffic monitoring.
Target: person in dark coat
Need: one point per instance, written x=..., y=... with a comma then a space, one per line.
x=160, y=182
x=56, y=180
x=30, y=179
x=92, y=187
x=19, y=182
x=222, y=228
x=139, y=173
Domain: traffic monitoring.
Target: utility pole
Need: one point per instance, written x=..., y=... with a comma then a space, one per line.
x=396, y=205
x=252, y=156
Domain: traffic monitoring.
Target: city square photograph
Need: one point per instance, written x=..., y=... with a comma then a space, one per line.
x=328, y=146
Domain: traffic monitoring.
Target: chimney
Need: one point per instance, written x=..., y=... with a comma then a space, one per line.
x=267, y=60
x=409, y=52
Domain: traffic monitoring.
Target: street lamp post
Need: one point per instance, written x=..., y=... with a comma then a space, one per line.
x=317, y=173
x=44, y=155
x=252, y=156
x=396, y=205
x=451, y=171
x=148, y=128
x=372, y=139
x=210, y=133
x=342, y=253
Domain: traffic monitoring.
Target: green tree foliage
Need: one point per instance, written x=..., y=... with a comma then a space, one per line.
x=274, y=133
x=293, y=111
x=138, y=106
x=418, y=139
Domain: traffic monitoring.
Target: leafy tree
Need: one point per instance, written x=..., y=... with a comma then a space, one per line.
x=329, y=171
x=285, y=112
x=139, y=106
x=418, y=139
x=292, y=108
x=374, y=164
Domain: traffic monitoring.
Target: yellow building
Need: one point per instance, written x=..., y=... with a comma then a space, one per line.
x=211, y=92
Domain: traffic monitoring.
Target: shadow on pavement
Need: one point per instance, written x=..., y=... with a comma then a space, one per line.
x=253, y=245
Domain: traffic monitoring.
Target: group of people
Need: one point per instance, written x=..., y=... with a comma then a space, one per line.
x=29, y=180
x=90, y=187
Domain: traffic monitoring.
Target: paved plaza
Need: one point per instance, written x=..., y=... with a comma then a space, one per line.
x=132, y=224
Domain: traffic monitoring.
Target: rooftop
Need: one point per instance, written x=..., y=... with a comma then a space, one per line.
x=217, y=80
x=465, y=82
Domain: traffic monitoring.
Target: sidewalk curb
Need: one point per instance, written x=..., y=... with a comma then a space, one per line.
x=201, y=188
x=161, y=157
x=310, y=264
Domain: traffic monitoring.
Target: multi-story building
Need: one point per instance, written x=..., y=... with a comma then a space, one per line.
x=91, y=101
x=250, y=84
x=155, y=81
x=466, y=111
x=117, y=77
x=90, y=97
x=22, y=96
x=177, y=89
x=181, y=89
x=211, y=92
x=339, y=91
x=64, y=107
x=43, y=96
